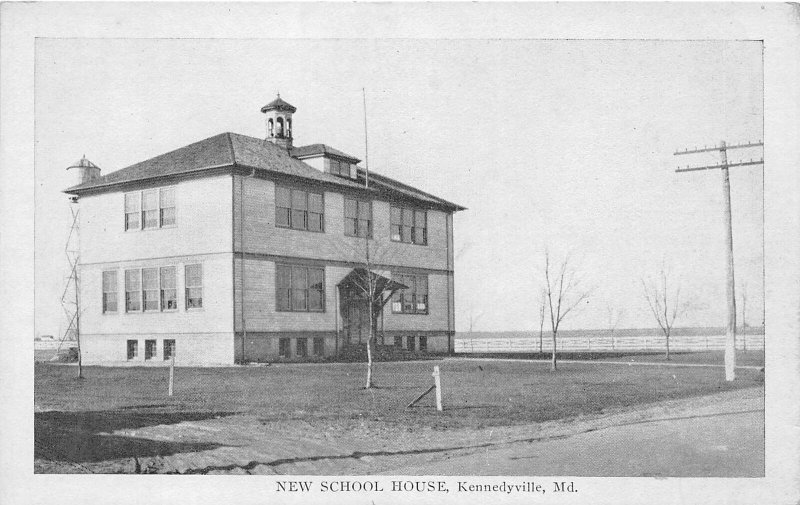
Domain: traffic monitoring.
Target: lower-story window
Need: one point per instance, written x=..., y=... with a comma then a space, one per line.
x=410, y=343
x=283, y=347
x=169, y=349
x=319, y=346
x=398, y=341
x=423, y=343
x=133, y=349
x=302, y=347
x=149, y=349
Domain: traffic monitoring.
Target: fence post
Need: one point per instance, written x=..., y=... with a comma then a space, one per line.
x=171, y=373
x=437, y=381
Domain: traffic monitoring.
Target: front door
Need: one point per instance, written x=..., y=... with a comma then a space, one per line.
x=355, y=321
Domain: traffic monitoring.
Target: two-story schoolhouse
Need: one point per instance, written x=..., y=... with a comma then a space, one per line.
x=237, y=249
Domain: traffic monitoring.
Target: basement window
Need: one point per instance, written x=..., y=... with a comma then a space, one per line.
x=319, y=346
x=169, y=349
x=149, y=349
x=133, y=349
x=423, y=343
x=283, y=347
x=410, y=343
x=302, y=347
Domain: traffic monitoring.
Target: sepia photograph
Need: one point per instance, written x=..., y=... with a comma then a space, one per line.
x=414, y=266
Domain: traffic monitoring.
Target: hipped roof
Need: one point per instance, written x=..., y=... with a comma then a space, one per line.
x=230, y=150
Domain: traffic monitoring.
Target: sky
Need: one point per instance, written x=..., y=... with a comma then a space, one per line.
x=565, y=145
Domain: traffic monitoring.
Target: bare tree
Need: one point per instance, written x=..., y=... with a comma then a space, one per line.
x=374, y=290
x=664, y=302
x=542, y=310
x=473, y=318
x=564, y=294
x=615, y=314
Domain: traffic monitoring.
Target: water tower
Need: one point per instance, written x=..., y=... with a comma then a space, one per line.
x=83, y=171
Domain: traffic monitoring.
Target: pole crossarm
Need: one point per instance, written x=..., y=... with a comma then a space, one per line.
x=720, y=148
x=711, y=167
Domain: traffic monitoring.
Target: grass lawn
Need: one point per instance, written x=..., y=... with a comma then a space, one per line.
x=743, y=358
x=476, y=394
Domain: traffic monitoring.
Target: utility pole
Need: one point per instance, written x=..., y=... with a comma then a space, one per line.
x=723, y=148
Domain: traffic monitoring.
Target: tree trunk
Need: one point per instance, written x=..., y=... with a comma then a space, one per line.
x=541, y=343
x=553, y=361
x=667, y=346
x=370, y=340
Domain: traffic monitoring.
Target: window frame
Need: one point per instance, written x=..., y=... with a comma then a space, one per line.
x=187, y=287
x=356, y=230
x=115, y=292
x=301, y=347
x=318, y=348
x=305, y=213
x=400, y=295
x=150, y=349
x=138, y=198
x=407, y=224
x=284, y=347
x=158, y=290
x=134, y=346
x=285, y=291
x=169, y=347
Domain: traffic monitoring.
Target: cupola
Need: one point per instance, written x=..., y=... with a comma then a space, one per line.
x=279, y=122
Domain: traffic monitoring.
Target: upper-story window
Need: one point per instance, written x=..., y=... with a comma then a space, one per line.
x=298, y=209
x=409, y=225
x=151, y=208
x=357, y=218
x=337, y=167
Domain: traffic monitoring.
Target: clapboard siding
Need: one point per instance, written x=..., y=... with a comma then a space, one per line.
x=261, y=236
x=261, y=316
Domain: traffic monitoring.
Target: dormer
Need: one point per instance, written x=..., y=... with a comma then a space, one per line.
x=327, y=159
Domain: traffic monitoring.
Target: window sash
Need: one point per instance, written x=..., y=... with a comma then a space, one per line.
x=414, y=299
x=319, y=346
x=299, y=288
x=133, y=349
x=133, y=293
x=109, y=291
x=409, y=225
x=153, y=208
x=193, y=275
x=150, y=349
x=301, y=347
x=169, y=349
x=169, y=293
x=283, y=347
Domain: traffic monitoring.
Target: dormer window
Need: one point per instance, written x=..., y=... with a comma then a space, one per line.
x=339, y=167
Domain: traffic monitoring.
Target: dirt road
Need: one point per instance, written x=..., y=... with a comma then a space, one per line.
x=725, y=440
x=712, y=435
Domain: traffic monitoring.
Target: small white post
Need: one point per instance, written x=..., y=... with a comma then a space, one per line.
x=171, y=372
x=438, y=382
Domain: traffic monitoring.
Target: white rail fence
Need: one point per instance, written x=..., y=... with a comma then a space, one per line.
x=605, y=344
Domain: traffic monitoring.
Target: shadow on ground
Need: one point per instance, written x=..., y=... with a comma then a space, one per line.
x=83, y=437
